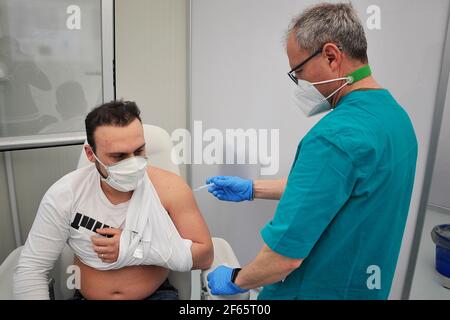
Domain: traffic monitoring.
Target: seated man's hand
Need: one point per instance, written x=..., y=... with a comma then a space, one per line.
x=219, y=281
x=107, y=249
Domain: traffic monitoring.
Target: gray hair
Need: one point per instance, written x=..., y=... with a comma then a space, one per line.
x=327, y=22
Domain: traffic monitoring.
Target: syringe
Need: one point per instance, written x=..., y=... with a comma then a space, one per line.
x=203, y=187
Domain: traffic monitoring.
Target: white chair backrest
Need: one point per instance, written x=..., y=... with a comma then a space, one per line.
x=7, y=269
x=159, y=148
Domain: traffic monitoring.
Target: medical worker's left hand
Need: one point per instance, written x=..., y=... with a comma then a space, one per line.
x=107, y=249
x=219, y=281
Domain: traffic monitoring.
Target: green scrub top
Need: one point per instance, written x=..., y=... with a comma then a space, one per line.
x=346, y=202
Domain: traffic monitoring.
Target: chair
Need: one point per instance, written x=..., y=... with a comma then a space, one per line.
x=159, y=148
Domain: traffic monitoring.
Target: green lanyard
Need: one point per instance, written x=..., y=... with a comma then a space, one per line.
x=359, y=74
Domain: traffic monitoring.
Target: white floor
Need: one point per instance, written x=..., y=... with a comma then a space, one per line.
x=426, y=285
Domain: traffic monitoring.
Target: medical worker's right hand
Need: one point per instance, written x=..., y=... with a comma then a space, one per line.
x=229, y=188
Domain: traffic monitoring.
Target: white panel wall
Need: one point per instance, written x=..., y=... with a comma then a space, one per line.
x=151, y=48
x=239, y=81
x=440, y=185
x=40, y=29
x=7, y=243
x=34, y=172
x=151, y=69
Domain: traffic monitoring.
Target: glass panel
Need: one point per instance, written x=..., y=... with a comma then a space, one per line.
x=50, y=65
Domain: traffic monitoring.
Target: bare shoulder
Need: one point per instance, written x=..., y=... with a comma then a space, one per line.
x=165, y=179
x=169, y=186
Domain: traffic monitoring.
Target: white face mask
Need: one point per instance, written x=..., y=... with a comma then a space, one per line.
x=125, y=175
x=310, y=100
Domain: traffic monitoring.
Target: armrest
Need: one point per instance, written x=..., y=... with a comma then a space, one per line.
x=223, y=254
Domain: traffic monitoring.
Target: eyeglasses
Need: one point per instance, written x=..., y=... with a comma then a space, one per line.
x=291, y=73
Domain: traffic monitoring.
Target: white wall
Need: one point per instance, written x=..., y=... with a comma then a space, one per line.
x=440, y=185
x=151, y=42
x=239, y=80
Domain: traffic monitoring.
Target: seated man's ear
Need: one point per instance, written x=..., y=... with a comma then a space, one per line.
x=89, y=153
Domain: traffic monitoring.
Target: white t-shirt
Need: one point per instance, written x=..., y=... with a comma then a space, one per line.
x=70, y=212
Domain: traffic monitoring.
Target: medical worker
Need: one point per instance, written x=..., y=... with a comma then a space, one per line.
x=338, y=227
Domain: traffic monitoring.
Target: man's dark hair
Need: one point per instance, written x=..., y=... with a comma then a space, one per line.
x=115, y=113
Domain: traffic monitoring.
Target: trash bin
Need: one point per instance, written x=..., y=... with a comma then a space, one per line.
x=441, y=237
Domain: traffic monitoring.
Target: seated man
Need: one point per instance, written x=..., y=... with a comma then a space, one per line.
x=128, y=223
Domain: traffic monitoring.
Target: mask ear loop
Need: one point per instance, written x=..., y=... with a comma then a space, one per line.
x=106, y=168
x=349, y=81
x=332, y=80
x=357, y=75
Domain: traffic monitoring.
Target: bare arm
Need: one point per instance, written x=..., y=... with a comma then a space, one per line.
x=177, y=198
x=268, y=267
x=269, y=189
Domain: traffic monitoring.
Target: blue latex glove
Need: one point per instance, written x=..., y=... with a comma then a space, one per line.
x=231, y=188
x=219, y=281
